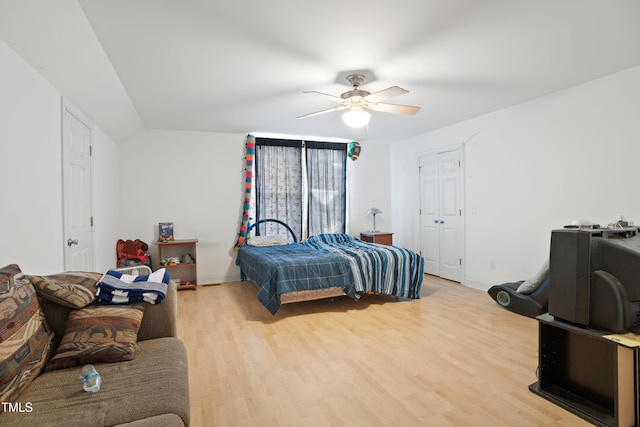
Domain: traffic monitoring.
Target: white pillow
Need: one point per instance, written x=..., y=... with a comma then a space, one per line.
x=530, y=285
x=267, y=241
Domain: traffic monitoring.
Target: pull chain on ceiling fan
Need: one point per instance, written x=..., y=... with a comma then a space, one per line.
x=358, y=103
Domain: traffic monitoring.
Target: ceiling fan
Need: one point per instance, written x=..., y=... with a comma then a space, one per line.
x=358, y=102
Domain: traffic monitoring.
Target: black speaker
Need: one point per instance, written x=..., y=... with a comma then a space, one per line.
x=569, y=271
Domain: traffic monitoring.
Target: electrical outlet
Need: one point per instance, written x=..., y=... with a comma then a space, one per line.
x=492, y=264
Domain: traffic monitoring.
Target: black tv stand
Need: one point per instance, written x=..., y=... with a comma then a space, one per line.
x=589, y=375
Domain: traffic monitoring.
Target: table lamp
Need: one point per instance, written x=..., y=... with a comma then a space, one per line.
x=374, y=212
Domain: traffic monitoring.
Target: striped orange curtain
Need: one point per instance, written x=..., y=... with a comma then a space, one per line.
x=248, y=170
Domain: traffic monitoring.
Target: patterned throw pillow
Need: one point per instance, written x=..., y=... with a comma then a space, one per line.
x=75, y=289
x=25, y=338
x=98, y=333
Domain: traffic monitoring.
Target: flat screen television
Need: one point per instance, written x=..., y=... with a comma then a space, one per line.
x=594, y=279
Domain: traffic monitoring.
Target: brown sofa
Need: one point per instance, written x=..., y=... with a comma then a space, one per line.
x=150, y=390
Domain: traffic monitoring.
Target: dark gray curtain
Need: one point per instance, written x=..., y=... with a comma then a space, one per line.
x=310, y=203
x=327, y=191
x=279, y=188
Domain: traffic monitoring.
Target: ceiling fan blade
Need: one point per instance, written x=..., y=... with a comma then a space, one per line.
x=342, y=107
x=335, y=98
x=387, y=93
x=397, y=109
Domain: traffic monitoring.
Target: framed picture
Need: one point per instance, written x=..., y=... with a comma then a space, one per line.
x=165, y=233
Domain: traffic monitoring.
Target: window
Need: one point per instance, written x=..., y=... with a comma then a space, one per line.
x=302, y=184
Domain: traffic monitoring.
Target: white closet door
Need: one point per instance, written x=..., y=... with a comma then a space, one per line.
x=441, y=220
x=76, y=171
x=429, y=214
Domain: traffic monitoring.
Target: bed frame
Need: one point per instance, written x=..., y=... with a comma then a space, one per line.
x=277, y=221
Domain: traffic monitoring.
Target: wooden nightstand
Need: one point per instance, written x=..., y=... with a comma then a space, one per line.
x=381, y=237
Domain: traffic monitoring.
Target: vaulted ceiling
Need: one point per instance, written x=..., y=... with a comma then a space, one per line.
x=242, y=66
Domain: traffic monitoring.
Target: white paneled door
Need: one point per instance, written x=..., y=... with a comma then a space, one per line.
x=76, y=175
x=441, y=220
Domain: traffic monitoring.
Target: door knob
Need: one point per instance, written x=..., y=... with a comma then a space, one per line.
x=72, y=242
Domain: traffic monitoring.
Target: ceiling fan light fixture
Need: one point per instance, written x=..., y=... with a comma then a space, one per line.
x=356, y=117
x=356, y=103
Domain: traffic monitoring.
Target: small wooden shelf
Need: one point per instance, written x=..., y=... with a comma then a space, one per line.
x=381, y=237
x=180, y=272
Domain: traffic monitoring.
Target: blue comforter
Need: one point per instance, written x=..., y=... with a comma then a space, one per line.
x=331, y=260
x=295, y=267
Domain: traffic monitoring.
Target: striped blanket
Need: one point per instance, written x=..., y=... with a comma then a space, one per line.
x=117, y=288
x=389, y=270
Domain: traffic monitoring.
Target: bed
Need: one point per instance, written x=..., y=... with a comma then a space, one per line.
x=329, y=265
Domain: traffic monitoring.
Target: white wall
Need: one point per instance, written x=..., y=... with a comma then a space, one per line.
x=31, y=186
x=107, y=208
x=193, y=179
x=30, y=149
x=369, y=186
x=532, y=168
x=196, y=181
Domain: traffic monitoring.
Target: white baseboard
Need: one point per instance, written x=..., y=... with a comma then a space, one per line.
x=476, y=285
x=216, y=280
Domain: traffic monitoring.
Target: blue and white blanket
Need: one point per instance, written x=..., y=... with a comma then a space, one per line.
x=389, y=270
x=117, y=288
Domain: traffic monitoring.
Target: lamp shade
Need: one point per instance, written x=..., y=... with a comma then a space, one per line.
x=356, y=117
x=373, y=211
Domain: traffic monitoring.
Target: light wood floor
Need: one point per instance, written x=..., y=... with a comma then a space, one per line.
x=451, y=358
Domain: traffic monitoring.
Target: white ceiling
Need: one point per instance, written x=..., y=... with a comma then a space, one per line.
x=237, y=67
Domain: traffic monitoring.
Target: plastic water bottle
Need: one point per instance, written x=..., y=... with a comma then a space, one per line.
x=91, y=380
